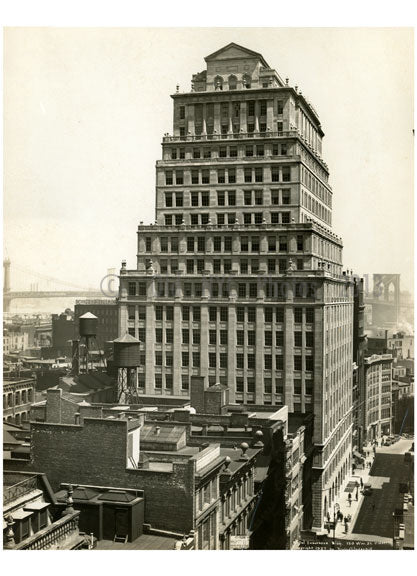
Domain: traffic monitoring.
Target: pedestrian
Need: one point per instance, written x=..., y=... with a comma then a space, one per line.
x=346, y=526
x=328, y=527
x=350, y=499
x=361, y=483
x=357, y=494
x=328, y=516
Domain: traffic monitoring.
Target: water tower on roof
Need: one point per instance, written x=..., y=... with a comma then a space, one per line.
x=126, y=359
x=86, y=347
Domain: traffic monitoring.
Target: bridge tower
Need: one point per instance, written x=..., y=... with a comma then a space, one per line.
x=6, y=285
x=6, y=275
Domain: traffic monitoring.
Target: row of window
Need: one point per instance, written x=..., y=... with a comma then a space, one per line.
x=243, y=361
x=248, y=151
x=224, y=266
x=225, y=243
x=242, y=338
x=20, y=397
x=222, y=289
x=227, y=175
x=221, y=313
x=249, y=219
x=225, y=107
x=227, y=198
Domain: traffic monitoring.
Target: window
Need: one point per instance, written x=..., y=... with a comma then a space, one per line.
x=207, y=153
x=279, y=362
x=268, y=361
x=258, y=174
x=205, y=199
x=158, y=335
x=286, y=173
x=275, y=174
x=309, y=363
x=212, y=360
x=223, y=359
x=283, y=247
x=298, y=315
x=220, y=219
x=228, y=244
x=212, y=337
x=196, y=314
x=182, y=112
x=205, y=176
x=298, y=338
x=279, y=338
x=251, y=338
x=132, y=288
x=298, y=363
x=231, y=177
x=158, y=380
x=255, y=243
x=201, y=244
x=272, y=245
x=217, y=243
x=158, y=358
x=258, y=197
x=251, y=314
x=239, y=385
x=168, y=199
x=253, y=289
x=248, y=174
x=271, y=266
x=246, y=81
x=267, y=385
x=179, y=177
x=196, y=359
x=239, y=361
x=240, y=336
x=309, y=339
x=233, y=151
x=310, y=315
x=251, y=361
x=224, y=314
x=240, y=314
x=196, y=153
x=280, y=107
x=221, y=179
x=196, y=337
x=268, y=338
x=262, y=107
x=286, y=197
x=185, y=383
x=194, y=178
x=185, y=313
x=212, y=314
x=185, y=336
x=168, y=177
x=251, y=385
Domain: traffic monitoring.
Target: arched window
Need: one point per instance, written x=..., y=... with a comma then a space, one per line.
x=218, y=83
x=232, y=82
x=246, y=81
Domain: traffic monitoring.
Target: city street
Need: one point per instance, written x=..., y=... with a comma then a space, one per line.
x=388, y=471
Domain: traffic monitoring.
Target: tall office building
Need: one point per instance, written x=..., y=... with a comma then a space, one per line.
x=240, y=280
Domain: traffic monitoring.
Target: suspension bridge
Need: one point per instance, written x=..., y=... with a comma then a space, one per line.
x=68, y=289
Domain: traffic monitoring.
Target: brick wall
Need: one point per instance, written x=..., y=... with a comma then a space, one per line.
x=95, y=454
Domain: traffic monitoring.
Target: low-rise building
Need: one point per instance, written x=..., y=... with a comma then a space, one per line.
x=376, y=405
x=401, y=345
x=30, y=518
x=18, y=396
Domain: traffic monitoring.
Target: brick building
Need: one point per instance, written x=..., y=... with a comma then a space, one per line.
x=62, y=333
x=18, y=397
x=240, y=280
x=96, y=446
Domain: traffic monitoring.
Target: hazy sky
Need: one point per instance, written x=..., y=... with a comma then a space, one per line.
x=86, y=109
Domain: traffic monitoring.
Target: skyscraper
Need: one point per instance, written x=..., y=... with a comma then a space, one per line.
x=239, y=280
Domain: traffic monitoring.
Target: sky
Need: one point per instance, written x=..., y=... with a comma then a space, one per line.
x=85, y=110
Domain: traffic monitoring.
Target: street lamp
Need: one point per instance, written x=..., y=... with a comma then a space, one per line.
x=336, y=509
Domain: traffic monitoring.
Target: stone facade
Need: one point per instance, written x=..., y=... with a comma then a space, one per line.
x=240, y=280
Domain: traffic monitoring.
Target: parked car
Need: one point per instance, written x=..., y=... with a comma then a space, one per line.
x=367, y=489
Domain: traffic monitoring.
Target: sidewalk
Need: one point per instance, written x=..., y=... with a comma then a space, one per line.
x=343, y=500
